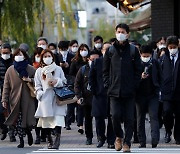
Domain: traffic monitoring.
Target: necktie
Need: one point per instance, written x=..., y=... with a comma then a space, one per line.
x=172, y=61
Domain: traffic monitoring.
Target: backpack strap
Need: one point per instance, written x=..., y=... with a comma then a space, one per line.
x=132, y=51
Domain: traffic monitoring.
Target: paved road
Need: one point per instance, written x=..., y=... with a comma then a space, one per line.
x=73, y=142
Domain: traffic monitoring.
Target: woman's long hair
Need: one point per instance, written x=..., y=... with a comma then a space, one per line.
x=78, y=57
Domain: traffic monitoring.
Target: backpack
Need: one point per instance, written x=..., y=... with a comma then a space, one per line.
x=132, y=51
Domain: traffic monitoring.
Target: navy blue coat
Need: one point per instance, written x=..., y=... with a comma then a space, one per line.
x=99, y=102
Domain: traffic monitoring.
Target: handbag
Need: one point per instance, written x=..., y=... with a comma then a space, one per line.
x=68, y=101
x=32, y=89
x=65, y=95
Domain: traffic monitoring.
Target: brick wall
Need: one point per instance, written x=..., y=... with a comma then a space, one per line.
x=162, y=18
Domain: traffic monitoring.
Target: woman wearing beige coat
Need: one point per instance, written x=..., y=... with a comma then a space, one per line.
x=16, y=96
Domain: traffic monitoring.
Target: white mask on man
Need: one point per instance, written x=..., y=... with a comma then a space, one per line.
x=42, y=46
x=5, y=56
x=98, y=45
x=173, y=51
x=121, y=37
x=145, y=59
x=64, y=52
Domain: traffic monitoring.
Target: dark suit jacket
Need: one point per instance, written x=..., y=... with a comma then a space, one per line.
x=154, y=76
x=170, y=89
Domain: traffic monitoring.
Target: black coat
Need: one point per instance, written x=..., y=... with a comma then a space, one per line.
x=4, y=65
x=121, y=71
x=154, y=77
x=170, y=89
x=99, y=102
x=75, y=66
x=81, y=84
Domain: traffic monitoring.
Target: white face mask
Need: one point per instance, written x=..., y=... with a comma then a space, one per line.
x=53, y=51
x=63, y=52
x=173, y=51
x=48, y=60
x=37, y=59
x=145, y=59
x=121, y=37
x=19, y=58
x=74, y=49
x=98, y=45
x=161, y=46
x=42, y=46
x=84, y=53
x=5, y=56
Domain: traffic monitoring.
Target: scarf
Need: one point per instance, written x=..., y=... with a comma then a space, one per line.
x=36, y=65
x=47, y=70
x=20, y=67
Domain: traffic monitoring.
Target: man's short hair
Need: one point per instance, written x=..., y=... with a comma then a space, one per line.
x=98, y=38
x=42, y=38
x=6, y=46
x=145, y=49
x=172, y=40
x=124, y=26
x=52, y=44
x=63, y=44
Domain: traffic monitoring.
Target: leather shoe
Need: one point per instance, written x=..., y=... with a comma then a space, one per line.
x=154, y=145
x=68, y=127
x=111, y=146
x=3, y=136
x=81, y=131
x=100, y=144
x=118, y=143
x=167, y=138
x=88, y=141
x=177, y=142
x=126, y=148
x=142, y=146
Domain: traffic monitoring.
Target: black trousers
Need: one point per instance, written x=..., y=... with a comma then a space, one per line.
x=80, y=115
x=70, y=113
x=88, y=121
x=100, y=128
x=150, y=104
x=171, y=117
x=110, y=132
x=122, y=110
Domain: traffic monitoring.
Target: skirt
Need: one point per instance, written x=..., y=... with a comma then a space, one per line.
x=51, y=122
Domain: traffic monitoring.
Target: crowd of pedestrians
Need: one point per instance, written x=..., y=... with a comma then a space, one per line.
x=119, y=80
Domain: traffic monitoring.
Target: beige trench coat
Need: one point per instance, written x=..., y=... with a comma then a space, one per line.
x=17, y=95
